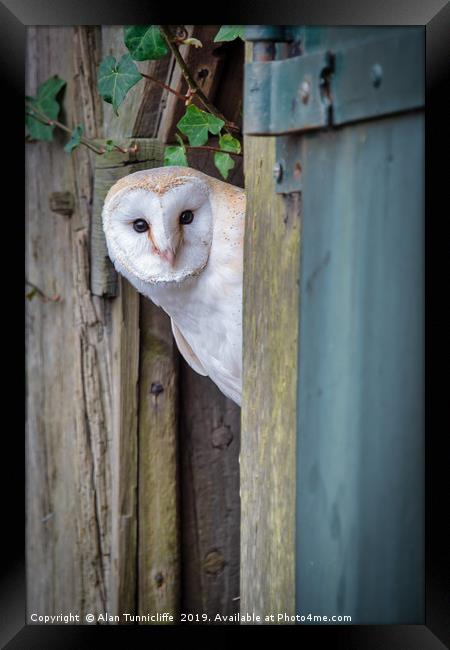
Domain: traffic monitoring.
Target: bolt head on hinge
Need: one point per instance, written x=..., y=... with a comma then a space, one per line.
x=305, y=91
x=377, y=74
x=277, y=171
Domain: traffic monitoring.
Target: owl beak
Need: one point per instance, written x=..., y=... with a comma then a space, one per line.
x=166, y=254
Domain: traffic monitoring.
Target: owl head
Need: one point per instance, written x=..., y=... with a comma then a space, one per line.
x=158, y=224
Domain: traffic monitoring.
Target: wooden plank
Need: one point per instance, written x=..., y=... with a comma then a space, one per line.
x=271, y=276
x=158, y=552
x=68, y=355
x=124, y=451
x=209, y=448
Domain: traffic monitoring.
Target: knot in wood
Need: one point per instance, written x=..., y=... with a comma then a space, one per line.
x=159, y=579
x=214, y=562
x=221, y=437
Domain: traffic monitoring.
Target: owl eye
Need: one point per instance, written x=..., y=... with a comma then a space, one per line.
x=186, y=217
x=140, y=225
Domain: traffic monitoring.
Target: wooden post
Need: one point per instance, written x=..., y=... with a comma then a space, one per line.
x=267, y=461
x=158, y=549
x=68, y=354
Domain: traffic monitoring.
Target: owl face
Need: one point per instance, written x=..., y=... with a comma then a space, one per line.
x=158, y=225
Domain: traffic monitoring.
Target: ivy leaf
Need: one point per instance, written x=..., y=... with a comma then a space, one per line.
x=224, y=162
x=145, y=42
x=228, y=143
x=196, y=123
x=176, y=154
x=45, y=102
x=229, y=33
x=75, y=139
x=116, y=79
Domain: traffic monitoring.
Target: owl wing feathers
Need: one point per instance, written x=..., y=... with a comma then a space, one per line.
x=186, y=350
x=229, y=385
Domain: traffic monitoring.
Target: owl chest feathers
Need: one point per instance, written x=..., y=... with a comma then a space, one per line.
x=206, y=309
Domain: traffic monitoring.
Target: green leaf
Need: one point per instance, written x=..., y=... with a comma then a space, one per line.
x=229, y=33
x=109, y=145
x=116, y=79
x=228, y=143
x=196, y=123
x=75, y=139
x=145, y=42
x=224, y=162
x=45, y=102
x=176, y=155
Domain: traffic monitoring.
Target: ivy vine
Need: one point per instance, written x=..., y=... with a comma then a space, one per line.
x=117, y=78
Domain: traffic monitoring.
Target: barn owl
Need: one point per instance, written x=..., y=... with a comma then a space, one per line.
x=177, y=235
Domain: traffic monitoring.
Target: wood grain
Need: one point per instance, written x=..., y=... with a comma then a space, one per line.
x=68, y=355
x=271, y=276
x=159, y=540
x=209, y=449
x=124, y=455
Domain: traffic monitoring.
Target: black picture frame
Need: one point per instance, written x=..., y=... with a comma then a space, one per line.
x=434, y=15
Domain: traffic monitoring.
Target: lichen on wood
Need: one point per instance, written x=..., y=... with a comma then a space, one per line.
x=270, y=333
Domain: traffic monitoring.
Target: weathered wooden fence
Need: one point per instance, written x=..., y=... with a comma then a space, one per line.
x=132, y=493
x=133, y=476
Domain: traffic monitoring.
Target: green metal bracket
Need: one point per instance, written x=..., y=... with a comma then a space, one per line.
x=284, y=96
x=370, y=79
x=379, y=74
x=379, y=78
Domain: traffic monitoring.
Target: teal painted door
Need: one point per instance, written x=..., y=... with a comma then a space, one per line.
x=360, y=445
x=350, y=132
x=360, y=439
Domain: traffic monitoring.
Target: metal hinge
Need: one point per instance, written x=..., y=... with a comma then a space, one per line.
x=379, y=76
